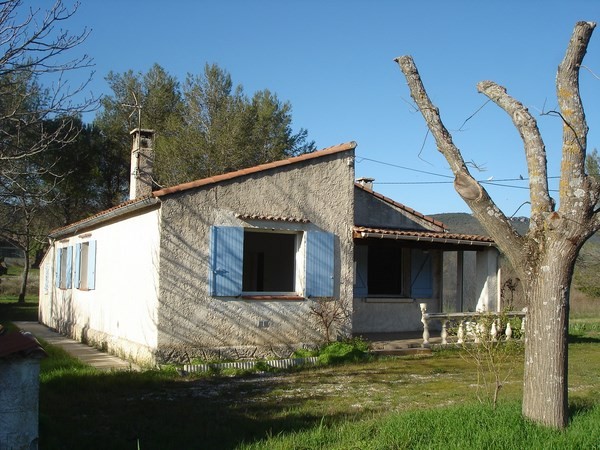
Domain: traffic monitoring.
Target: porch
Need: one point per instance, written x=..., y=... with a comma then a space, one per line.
x=400, y=343
x=470, y=327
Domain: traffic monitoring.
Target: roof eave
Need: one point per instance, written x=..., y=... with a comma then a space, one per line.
x=256, y=169
x=420, y=238
x=405, y=208
x=103, y=217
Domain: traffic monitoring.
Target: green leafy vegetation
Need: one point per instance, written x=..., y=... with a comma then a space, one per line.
x=352, y=350
x=465, y=427
x=206, y=124
x=387, y=402
x=12, y=310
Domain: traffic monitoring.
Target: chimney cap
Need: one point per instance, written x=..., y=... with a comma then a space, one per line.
x=365, y=180
x=141, y=131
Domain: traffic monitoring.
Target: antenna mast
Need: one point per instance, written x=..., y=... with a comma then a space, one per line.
x=136, y=107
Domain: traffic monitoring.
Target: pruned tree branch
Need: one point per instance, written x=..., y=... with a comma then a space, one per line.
x=535, y=150
x=574, y=186
x=545, y=257
x=483, y=207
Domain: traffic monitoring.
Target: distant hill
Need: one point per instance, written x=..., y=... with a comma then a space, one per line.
x=465, y=223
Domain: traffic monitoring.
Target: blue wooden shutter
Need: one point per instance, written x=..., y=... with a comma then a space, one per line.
x=421, y=282
x=91, y=266
x=57, y=268
x=226, y=261
x=69, y=268
x=47, y=277
x=319, y=264
x=77, y=266
x=361, y=270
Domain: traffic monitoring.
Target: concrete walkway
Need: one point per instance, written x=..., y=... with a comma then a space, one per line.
x=89, y=355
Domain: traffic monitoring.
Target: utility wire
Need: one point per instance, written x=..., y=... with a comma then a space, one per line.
x=362, y=158
x=498, y=182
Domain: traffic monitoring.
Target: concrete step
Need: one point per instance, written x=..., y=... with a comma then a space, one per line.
x=402, y=351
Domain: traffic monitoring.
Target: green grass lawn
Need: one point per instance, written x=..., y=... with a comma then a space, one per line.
x=11, y=310
x=403, y=402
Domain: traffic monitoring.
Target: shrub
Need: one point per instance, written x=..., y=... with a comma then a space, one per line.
x=350, y=350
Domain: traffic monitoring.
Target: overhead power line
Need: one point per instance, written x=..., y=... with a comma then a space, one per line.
x=495, y=182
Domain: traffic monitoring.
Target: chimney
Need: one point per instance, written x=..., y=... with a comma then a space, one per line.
x=142, y=159
x=365, y=182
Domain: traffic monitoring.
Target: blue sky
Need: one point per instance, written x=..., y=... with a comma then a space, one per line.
x=333, y=61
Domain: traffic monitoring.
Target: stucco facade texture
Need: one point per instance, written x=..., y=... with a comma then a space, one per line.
x=373, y=211
x=191, y=322
x=119, y=314
x=152, y=295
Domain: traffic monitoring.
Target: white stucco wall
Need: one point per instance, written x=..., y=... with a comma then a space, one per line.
x=120, y=314
x=192, y=323
x=487, y=280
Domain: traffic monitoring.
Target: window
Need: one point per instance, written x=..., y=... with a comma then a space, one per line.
x=386, y=269
x=254, y=261
x=64, y=263
x=85, y=265
x=269, y=262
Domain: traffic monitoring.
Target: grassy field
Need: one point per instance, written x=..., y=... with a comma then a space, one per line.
x=10, y=310
x=402, y=402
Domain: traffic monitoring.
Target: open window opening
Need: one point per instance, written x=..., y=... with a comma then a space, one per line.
x=269, y=262
x=388, y=269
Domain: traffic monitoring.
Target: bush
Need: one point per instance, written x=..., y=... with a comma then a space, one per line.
x=305, y=353
x=350, y=350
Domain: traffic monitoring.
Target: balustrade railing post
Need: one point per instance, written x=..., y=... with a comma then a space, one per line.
x=494, y=331
x=461, y=333
x=479, y=332
x=444, y=331
x=508, y=331
x=424, y=321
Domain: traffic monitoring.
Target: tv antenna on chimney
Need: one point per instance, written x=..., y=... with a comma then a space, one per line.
x=136, y=107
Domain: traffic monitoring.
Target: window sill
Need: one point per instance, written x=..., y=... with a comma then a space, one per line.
x=272, y=297
x=389, y=300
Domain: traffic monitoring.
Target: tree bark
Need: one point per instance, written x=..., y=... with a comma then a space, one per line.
x=24, y=279
x=545, y=257
x=545, y=382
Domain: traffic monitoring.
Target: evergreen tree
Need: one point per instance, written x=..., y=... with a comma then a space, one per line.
x=206, y=127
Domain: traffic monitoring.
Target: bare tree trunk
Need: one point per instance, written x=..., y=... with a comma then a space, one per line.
x=24, y=279
x=545, y=257
x=545, y=383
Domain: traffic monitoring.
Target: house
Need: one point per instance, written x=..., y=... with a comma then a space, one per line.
x=237, y=265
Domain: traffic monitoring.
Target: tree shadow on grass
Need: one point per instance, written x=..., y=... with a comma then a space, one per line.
x=121, y=409
x=14, y=312
x=578, y=339
x=579, y=406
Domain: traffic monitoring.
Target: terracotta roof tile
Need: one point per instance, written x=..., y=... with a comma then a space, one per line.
x=401, y=206
x=256, y=169
x=202, y=182
x=272, y=218
x=362, y=232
